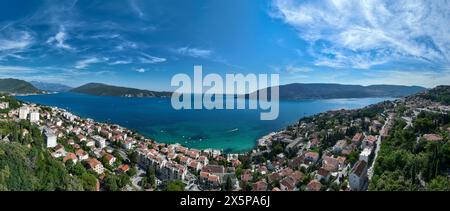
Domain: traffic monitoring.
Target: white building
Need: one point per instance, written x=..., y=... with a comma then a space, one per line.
x=365, y=154
x=4, y=105
x=34, y=116
x=100, y=141
x=50, y=137
x=23, y=112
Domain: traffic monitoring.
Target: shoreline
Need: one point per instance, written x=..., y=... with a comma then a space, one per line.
x=242, y=152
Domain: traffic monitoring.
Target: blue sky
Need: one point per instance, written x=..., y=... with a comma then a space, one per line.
x=143, y=43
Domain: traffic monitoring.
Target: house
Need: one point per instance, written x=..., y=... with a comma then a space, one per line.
x=72, y=157
x=432, y=137
x=193, y=154
x=203, y=160
x=314, y=185
x=356, y=140
x=214, y=180
x=312, y=157
x=111, y=159
x=90, y=143
x=99, y=141
x=4, y=105
x=184, y=160
x=123, y=168
x=81, y=137
x=127, y=144
x=339, y=146
x=82, y=155
x=323, y=174
x=329, y=163
x=274, y=177
x=288, y=184
x=59, y=151
x=259, y=186
x=194, y=165
x=358, y=176
x=365, y=154
x=96, y=166
x=369, y=141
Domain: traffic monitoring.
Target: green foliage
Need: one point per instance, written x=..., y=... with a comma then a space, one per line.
x=31, y=168
x=439, y=183
x=404, y=163
x=175, y=186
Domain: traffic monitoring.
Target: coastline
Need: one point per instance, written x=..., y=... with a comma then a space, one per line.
x=248, y=150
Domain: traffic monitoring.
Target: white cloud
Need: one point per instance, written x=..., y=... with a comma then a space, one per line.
x=194, y=52
x=148, y=59
x=59, y=39
x=83, y=64
x=136, y=8
x=140, y=70
x=120, y=62
x=294, y=69
x=19, y=41
x=16, y=70
x=361, y=34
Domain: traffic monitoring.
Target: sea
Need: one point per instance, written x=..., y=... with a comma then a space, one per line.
x=233, y=131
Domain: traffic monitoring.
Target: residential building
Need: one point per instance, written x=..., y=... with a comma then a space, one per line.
x=95, y=165
x=70, y=156
x=4, y=105
x=34, y=117
x=50, y=137
x=314, y=185
x=259, y=186
x=82, y=155
x=365, y=154
x=358, y=176
x=99, y=141
x=23, y=112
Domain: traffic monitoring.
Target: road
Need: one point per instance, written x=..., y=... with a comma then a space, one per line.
x=377, y=149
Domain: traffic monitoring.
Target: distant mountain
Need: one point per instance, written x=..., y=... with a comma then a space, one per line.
x=15, y=86
x=299, y=91
x=51, y=87
x=108, y=90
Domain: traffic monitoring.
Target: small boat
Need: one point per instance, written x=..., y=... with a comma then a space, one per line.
x=234, y=130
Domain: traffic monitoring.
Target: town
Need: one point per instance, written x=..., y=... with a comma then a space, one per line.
x=332, y=151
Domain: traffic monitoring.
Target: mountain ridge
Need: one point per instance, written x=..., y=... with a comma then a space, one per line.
x=16, y=86
x=101, y=89
x=300, y=91
x=51, y=87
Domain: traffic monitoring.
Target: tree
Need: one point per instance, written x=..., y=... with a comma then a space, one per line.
x=89, y=181
x=111, y=183
x=440, y=183
x=175, y=186
x=134, y=158
x=229, y=184
x=132, y=171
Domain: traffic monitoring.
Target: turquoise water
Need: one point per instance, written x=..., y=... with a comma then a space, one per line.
x=230, y=130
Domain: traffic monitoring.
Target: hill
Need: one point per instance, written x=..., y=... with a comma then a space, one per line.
x=15, y=86
x=51, y=87
x=108, y=90
x=299, y=91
